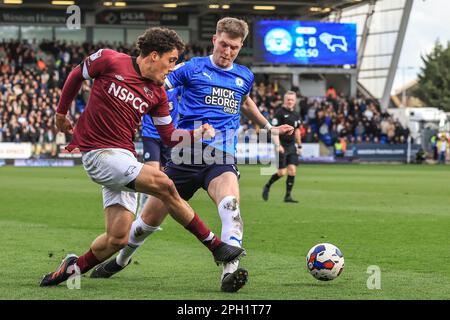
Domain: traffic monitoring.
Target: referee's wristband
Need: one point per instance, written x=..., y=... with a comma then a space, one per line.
x=268, y=126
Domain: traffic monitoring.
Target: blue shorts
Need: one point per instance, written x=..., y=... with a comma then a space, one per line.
x=155, y=150
x=189, y=178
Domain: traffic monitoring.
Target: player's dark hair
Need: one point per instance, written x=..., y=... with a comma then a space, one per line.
x=234, y=27
x=159, y=39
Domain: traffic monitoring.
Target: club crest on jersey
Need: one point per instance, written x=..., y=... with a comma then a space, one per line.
x=148, y=92
x=239, y=82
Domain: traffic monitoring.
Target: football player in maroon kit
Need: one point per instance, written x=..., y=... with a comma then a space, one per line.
x=126, y=88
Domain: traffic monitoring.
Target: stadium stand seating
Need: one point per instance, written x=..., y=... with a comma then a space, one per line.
x=32, y=75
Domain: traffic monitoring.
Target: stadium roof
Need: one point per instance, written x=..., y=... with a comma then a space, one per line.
x=313, y=9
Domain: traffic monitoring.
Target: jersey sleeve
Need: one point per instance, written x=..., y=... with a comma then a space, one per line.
x=172, y=96
x=162, y=120
x=164, y=125
x=179, y=76
x=70, y=90
x=160, y=113
x=250, y=84
x=96, y=64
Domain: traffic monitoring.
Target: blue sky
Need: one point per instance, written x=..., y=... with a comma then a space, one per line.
x=429, y=20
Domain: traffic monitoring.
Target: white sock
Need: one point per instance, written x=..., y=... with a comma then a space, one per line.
x=230, y=267
x=138, y=233
x=232, y=228
x=125, y=254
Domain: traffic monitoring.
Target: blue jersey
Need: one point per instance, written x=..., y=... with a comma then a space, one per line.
x=148, y=128
x=211, y=95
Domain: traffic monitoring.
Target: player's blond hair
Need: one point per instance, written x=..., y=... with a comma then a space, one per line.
x=234, y=27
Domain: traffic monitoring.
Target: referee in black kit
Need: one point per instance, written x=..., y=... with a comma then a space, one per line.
x=287, y=146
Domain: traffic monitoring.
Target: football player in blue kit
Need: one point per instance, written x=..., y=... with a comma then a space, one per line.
x=215, y=90
x=156, y=153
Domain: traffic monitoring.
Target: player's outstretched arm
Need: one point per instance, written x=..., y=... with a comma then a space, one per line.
x=283, y=129
x=68, y=94
x=250, y=109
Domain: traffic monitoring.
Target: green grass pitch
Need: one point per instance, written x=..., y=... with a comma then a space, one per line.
x=396, y=217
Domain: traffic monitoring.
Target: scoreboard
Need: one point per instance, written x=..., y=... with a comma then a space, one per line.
x=304, y=42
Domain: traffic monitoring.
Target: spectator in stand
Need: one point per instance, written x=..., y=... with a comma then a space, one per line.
x=331, y=93
x=391, y=131
x=310, y=135
x=277, y=102
x=340, y=146
x=311, y=114
x=442, y=146
x=434, y=140
x=360, y=129
x=302, y=131
x=32, y=74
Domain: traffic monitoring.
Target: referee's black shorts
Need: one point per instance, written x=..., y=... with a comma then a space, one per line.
x=289, y=156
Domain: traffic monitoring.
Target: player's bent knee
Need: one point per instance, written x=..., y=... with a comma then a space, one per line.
x=151, y=181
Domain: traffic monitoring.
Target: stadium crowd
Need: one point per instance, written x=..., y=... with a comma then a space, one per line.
x=32, y=75
x=334, y=117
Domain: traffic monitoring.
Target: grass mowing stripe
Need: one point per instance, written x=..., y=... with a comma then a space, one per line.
x=395, y=217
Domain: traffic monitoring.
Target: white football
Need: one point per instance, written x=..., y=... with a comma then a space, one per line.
x=325, y=261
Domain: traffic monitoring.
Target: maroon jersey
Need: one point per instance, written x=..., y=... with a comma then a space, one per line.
x=118, y=99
